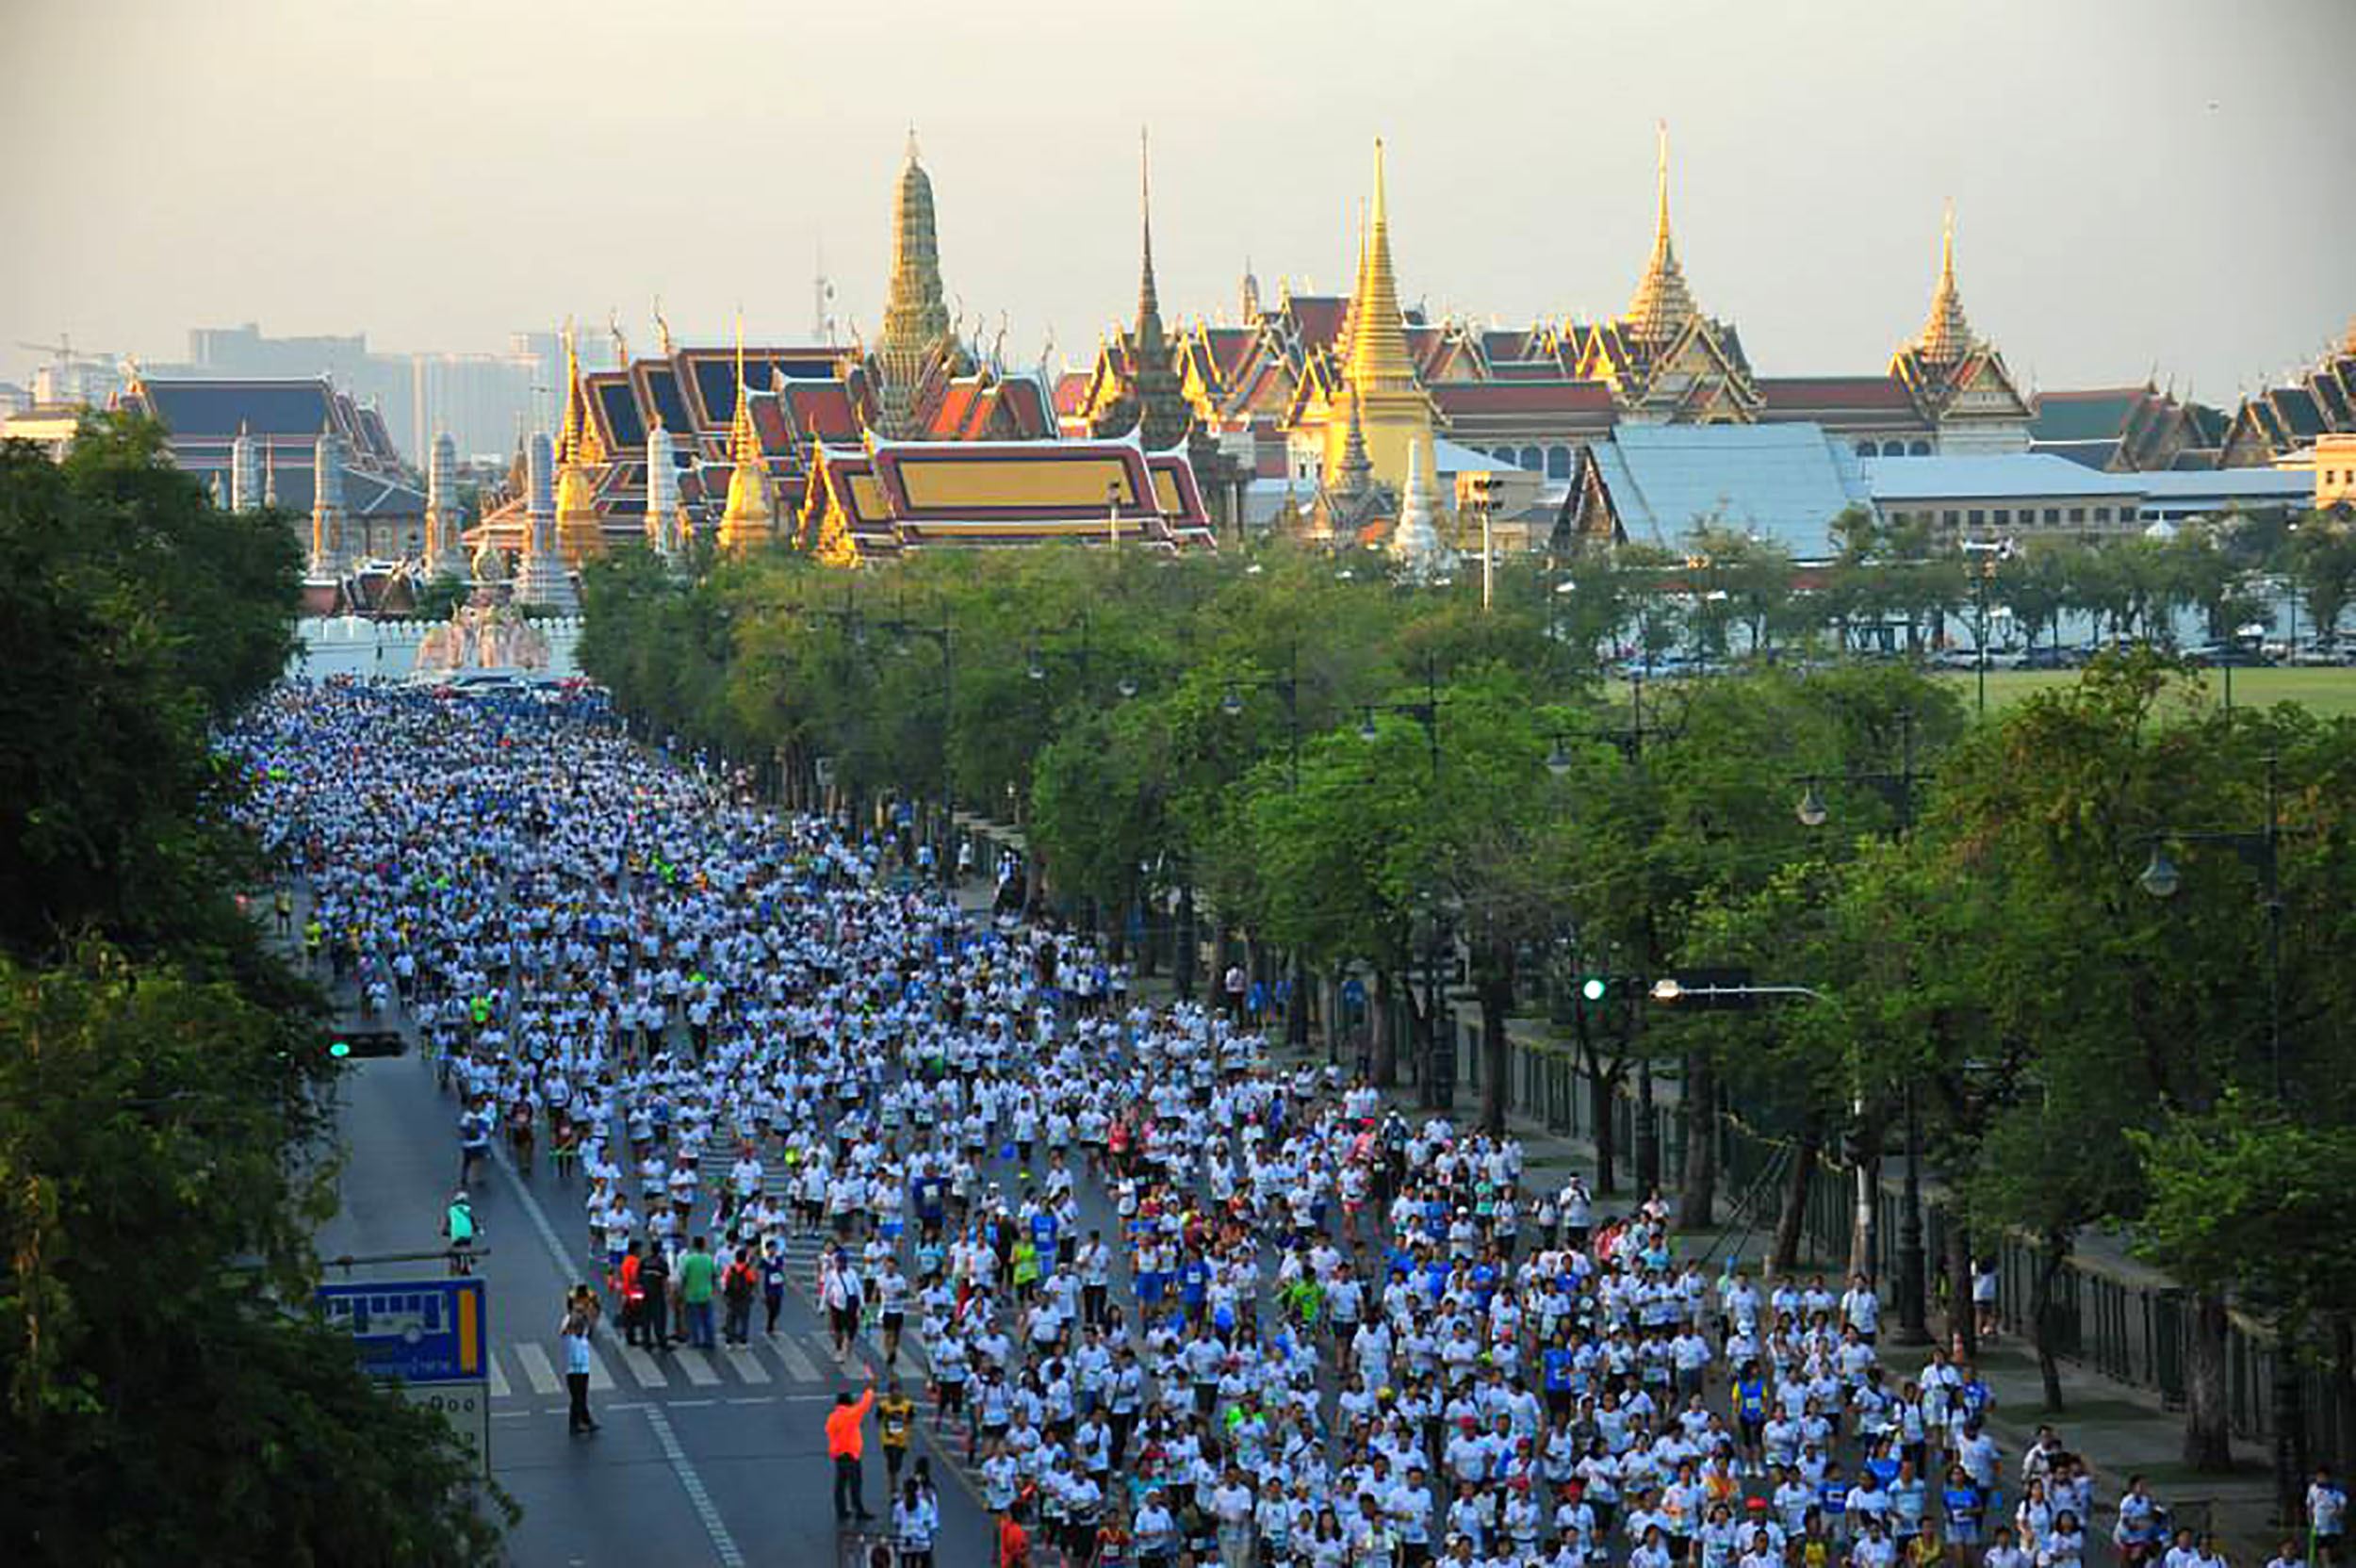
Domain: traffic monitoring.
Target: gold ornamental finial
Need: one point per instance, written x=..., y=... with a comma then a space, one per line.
x=744, y=440
x=1378, y=339
x=1663, y=304
x=661, y=328
x=568, y=435
x=1947, y=333
x=911, y=148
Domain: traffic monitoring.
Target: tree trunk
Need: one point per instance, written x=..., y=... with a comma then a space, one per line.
x=1385, y=1032
x=1793, y=1215
x=1963, y=1333
x=2051, y=1257
x=1865, y=1210
x=1496, y=990
x=2208, y=1442
x=1599, y=1087
x=1647, y=1134
x=1697, y=1204
x=1183, y=958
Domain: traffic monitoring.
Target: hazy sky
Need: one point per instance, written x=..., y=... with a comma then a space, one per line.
x=2137, y=181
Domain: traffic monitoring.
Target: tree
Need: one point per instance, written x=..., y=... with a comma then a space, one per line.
x=2322, y=562
x=166, y=1393
x=163, y=1084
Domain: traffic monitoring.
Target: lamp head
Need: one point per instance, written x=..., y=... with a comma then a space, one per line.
x=1811, y=810
x=2160, y=876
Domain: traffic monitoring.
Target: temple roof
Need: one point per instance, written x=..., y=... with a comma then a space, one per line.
x=1558, y=395
x=1946, y=335
x=1785, y=482
x=1782, y=393
x=1663, y=304
x=893, y=495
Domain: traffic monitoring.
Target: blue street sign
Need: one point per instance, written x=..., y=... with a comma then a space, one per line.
x=1355, y=991
x=418, y=1331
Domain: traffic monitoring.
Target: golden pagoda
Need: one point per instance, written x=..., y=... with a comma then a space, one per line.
x=916, y=317
x=1387, y=407
x=1663, y=304
x=1958, y=380
x=580, y=457
x=752, y=517
x=1662, y=358
x=1946, y=334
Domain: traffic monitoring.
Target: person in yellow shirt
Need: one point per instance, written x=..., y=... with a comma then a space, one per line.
x=895, y=1423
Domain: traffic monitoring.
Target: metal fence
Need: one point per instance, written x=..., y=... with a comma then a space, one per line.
x=2127, y=1324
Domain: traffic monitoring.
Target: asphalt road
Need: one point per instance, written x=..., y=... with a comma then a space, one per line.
x=702, y=1457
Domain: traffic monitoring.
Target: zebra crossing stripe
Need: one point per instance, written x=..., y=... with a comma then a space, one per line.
x=747, y=1365
x=698, y=1370
x=797, y=1362
x=601, y=1381
x=640, y=1366
x=538, y=1369
x=499, y=1389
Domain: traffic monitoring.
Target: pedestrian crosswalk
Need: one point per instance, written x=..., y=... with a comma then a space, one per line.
x=530, y=1369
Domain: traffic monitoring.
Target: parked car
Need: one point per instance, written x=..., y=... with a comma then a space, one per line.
x=2241, y=656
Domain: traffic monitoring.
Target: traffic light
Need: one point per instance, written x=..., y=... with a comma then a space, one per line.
x=353, y=1044
x=1611, y=987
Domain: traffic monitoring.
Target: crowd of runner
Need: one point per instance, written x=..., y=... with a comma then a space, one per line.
x=1171, y=1302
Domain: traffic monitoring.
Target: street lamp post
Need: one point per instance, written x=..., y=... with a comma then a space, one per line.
x=2261, y=850
x=1426, y=713
x=1287, y=690
x=1913, y=1307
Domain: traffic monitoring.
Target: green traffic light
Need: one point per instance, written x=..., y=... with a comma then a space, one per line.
x=1593, y=988
x=340, y=1048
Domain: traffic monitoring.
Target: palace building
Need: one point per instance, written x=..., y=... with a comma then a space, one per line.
x=723, y=443
x=1322, y=396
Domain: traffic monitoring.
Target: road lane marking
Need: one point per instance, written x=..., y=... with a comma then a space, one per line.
x=797, y=1362
x=601, y=1381
x=698, y=1370
x=722, y=1543
x=747, y=1365
x=642, y=1367
x=538, y=1369
x=499, y=1389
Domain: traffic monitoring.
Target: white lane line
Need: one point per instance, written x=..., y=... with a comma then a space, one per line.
x=538, y=1369
x=741, y=1360
x=692, y=1484
x=499, y=1389
x=796, y=1362
x=601, y=1381
x=642, y=1367
x=698, y=1370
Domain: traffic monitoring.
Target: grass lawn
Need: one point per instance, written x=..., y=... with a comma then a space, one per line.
x=2330, y=692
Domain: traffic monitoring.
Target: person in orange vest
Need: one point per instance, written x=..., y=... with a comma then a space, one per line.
x=1014, y=1541
x=844, y=1443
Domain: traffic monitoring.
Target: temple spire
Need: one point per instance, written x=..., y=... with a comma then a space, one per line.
x=1946, y=334
x=578, y=441
x=744, y=440
x=1377, y=337
x=1663, y=304
x=1148, y=298
x=751, y=514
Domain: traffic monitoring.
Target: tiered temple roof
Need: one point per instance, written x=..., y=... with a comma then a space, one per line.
x=886, y=497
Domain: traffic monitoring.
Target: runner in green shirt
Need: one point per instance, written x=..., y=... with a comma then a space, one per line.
x=699, y=1275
